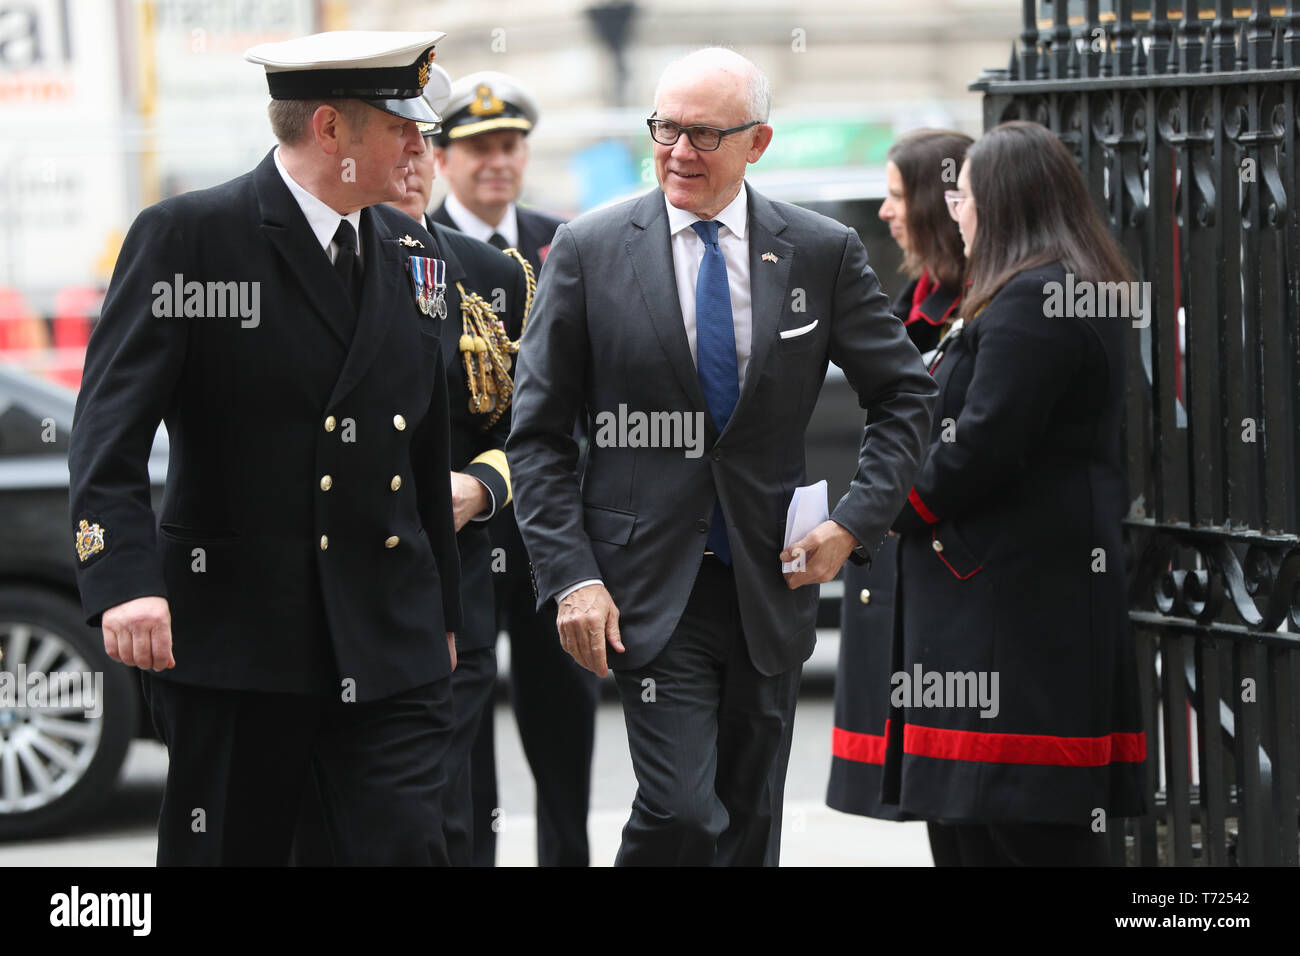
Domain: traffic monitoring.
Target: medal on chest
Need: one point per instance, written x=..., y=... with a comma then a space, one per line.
x=429, y=281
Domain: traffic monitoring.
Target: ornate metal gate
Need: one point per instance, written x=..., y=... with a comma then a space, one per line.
x=1184, y=123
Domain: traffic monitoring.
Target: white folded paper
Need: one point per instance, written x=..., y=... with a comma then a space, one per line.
x=807, y=510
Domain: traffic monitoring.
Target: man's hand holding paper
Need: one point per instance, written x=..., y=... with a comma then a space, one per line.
x=815, y=547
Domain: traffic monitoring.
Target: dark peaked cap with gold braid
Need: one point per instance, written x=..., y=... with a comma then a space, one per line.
x=387, y=69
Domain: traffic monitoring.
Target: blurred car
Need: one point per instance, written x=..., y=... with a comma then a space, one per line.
x=57, y=763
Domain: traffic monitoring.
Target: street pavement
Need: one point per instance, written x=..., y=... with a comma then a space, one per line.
x=814, y=835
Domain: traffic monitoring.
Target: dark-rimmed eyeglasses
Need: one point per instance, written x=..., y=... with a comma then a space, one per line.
x=705, y=138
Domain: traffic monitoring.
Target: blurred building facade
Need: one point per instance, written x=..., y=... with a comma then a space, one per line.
x=111, y=105
x=846, y=75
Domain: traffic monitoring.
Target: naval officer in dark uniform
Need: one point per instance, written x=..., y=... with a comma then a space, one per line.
x=487, y=292
x=482, y=153
x=292, y=608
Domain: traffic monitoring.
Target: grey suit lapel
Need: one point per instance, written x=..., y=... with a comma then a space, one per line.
x=649, y=252
x=768, y=282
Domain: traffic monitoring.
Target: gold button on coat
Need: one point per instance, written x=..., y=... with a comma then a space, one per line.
x=864, y=596
x=936, y=544
x=326, y=483
x=324, y=542
x=330, y=423
x=392, y=542
x=396, y=482
x=399, y=422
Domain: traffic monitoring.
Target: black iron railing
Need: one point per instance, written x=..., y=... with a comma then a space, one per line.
x=1184, y=121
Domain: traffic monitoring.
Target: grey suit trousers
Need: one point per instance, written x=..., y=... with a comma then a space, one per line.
x=706, y=731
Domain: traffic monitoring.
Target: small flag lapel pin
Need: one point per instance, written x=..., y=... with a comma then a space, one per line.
x=769, y=257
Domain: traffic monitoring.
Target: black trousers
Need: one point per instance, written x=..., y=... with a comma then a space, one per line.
x=1016, y=844
x=241, y=763
x=554, y=701
x=709, y=740
x=471, y=685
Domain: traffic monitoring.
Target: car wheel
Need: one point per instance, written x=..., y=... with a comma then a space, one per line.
x=67, y=714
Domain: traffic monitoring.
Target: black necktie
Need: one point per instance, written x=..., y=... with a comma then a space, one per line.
x=498, y=240
x=346, y=263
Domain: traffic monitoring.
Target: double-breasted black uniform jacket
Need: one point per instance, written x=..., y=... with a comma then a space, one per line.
x=306, y=531
x=1012, y=563
x=476, y=449
x=867, y=621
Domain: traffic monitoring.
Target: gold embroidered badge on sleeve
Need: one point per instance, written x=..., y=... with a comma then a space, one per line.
x=90, y=539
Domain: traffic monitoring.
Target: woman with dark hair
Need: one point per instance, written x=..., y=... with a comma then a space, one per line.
x=922, y=164
x=1018, y=724
x=919, y=168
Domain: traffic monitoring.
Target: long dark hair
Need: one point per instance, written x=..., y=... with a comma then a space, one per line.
x=928, y=161
x=1032, y=207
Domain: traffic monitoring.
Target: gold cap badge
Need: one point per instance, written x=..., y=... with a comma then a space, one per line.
x=485, y=103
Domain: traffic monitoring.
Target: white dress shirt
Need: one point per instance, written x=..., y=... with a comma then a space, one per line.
x=688, y=253
x=472, y=225
x=321, y=219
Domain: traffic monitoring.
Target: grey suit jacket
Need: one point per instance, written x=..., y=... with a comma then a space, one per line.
x=606, y=331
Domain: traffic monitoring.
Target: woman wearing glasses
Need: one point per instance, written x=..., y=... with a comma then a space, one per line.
x=920, y=165
x=1019, y=725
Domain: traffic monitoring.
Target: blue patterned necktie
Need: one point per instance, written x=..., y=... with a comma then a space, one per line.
x=715, y=349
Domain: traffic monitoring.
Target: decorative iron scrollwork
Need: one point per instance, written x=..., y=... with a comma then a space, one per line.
x=1199, y=576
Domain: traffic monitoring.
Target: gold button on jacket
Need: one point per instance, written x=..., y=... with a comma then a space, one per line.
x=865, y=596
x=392, y=542
x=330, y=423
x=326, y=483
x=396, y=482
x=399, y=422
x=324, y=542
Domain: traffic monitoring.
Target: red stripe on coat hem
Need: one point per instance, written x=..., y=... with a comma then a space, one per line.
x=860, y=748
x=985, y=747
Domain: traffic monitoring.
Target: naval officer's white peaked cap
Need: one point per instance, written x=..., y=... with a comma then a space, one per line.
x=486, y=101
x=386, y=69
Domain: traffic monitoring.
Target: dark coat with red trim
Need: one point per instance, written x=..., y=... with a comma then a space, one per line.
x=1011, y=562
x=867, y=628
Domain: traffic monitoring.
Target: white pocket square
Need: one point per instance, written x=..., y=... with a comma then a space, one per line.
x=802, y=330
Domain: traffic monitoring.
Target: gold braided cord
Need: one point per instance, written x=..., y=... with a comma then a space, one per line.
x=530, y=285
x=487, y=349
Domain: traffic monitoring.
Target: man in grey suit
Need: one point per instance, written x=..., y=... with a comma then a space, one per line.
x=694, y=325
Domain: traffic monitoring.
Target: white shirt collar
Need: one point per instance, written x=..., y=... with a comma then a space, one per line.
x=472, y=225
x=735, y=216
x=321, y=219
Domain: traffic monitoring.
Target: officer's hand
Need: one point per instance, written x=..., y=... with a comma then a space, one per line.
x=469, y=497
x=139, y=633
x=824, y=549
x=586, y=620
x=451, y=647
